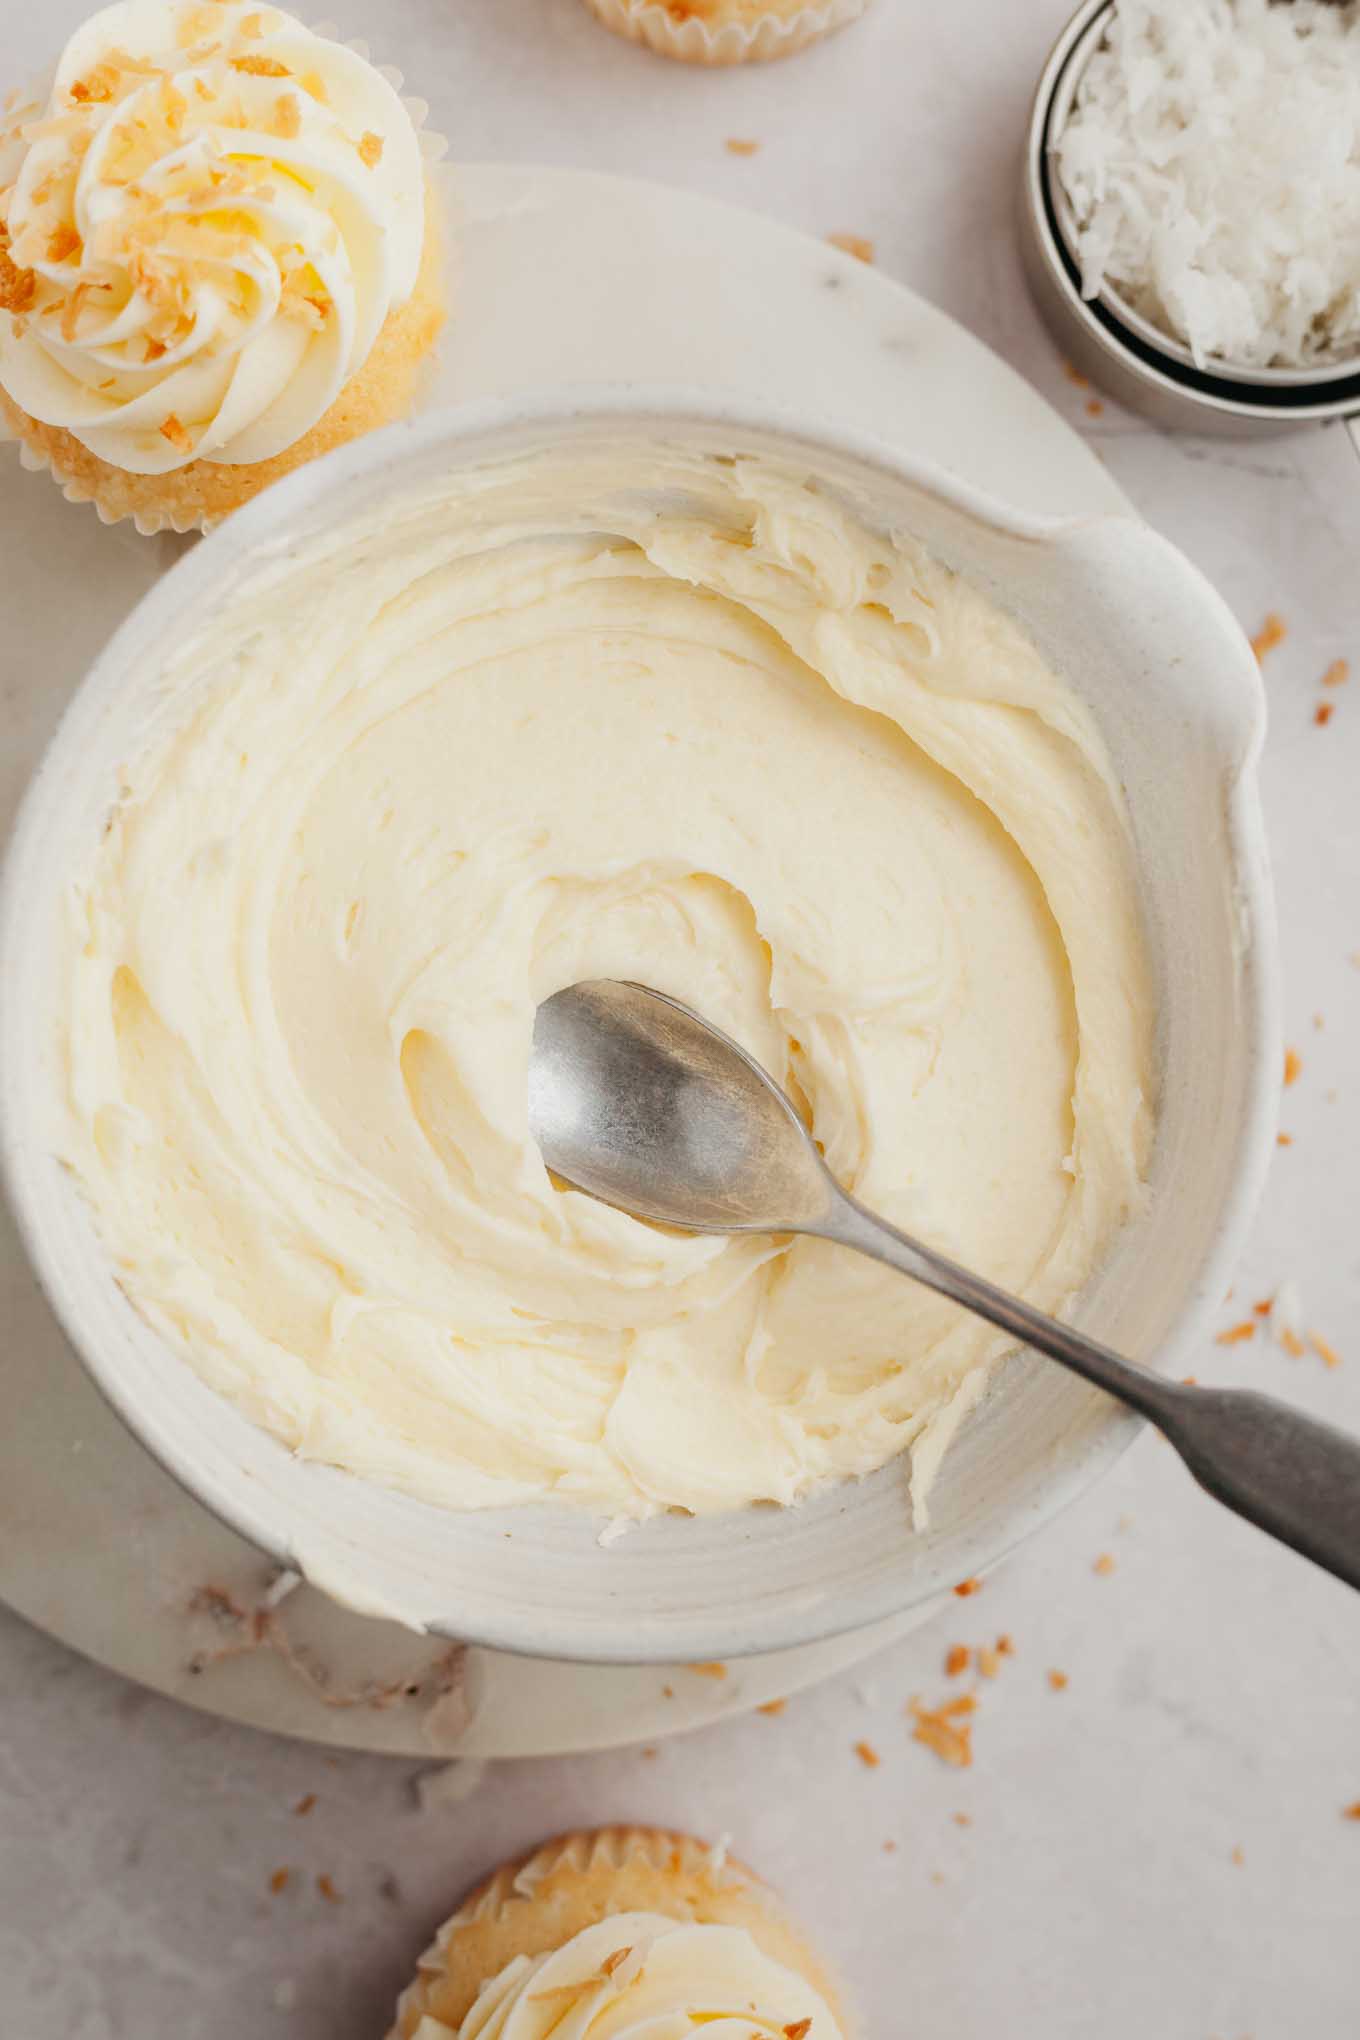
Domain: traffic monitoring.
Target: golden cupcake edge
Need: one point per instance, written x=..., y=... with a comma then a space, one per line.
x=539, y=1901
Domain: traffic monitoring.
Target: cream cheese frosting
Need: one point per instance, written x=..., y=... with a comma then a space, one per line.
x=208, y=223
x=624, y=711
x=639, y=1976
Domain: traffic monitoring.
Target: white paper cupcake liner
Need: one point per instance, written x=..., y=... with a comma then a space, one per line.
x=150, y=520
x=692, y=41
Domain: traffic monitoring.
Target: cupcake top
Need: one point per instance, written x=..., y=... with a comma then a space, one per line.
x=639, y=1975
x=206, y=225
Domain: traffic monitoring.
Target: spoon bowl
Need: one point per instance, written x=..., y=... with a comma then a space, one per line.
x=635, y=1099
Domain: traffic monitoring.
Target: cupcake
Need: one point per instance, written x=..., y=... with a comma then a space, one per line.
x=725, y=31
x=218, y=258
x=623, y=1932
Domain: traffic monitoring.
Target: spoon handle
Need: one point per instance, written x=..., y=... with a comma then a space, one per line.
x=1293, y=1477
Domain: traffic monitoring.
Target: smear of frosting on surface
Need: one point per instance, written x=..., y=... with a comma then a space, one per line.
x=623, y=711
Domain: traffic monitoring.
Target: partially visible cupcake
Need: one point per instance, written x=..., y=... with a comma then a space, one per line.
x=218, y=258
x=624, y=1931
x=725, y=31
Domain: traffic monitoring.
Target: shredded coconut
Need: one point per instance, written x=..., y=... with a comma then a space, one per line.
x=1212, y=163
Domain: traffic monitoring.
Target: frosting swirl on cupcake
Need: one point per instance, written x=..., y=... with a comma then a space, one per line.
x=639, y=1976
x=207, y=226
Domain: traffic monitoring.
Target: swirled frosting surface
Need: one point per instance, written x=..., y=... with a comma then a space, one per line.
x=208, y=222
x=639, y=1976
x=630, y=712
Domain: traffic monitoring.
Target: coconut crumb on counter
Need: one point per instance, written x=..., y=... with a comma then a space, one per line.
x=305, y=1804
x=1286, y=1317
x=1104, y=1565
x=715, y=1669
x=773, y=1707
x=1074, y=375
x=325, y=1884
x=988, y=1661
x=1337, y=674
x=964, y=1820
x=285, y=1582
x=1236, y=1334
x=1293, y=1066
x=1351, y=1812
x=279, y=1881
x=857, y=245
x=1058, y=1681
x=957, y=1660
x=868, y=1755
x=1324, y=1349
x=1094, y=408
x=738, y=145
x=1005, y=1644
x=1272, y=632
x=1323, y=713
x=1284, y=1140
x=948, y=1730
x=967, y=1587
x=1238, y=1856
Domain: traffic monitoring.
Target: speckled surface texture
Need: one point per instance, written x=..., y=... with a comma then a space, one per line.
x=1210, y=1709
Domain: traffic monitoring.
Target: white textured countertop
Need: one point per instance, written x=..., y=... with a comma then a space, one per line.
x=1155, y=1853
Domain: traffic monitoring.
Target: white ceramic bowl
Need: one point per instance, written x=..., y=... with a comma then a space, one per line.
x=1178, y=695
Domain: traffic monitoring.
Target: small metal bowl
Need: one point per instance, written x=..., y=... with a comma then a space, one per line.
x=1106, y=338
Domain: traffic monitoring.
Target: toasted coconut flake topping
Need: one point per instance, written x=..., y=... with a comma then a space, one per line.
x=947, y=1730
x=370, y=149
x=1236, y=1334
x=857, y=245
x=260, y=67
x=1272, y=632
x=17, y=286
x=176, y=433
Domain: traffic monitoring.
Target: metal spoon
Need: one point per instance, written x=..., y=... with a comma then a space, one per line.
x=635, y=1099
